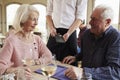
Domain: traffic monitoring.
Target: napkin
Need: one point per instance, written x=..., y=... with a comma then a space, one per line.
x=59, y=74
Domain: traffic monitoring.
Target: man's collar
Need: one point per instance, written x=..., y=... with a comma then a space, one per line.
x=102, y=34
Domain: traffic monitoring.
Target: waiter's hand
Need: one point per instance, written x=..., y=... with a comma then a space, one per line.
x=53, y=32
x=66, y=36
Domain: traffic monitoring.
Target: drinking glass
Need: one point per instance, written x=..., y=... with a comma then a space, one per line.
x=28, y=62
x=9, y=76
x=48, y=69
x=79, y=64
x=21, y=74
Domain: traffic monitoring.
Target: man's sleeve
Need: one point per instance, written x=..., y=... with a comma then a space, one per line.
x=112, y=69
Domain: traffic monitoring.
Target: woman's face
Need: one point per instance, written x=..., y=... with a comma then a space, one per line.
x=31, y=22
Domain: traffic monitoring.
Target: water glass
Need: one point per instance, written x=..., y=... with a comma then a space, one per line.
x=48, y=69
x=21, y=74
x=7, y=76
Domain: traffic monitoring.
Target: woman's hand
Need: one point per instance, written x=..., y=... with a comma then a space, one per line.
x=28, y=72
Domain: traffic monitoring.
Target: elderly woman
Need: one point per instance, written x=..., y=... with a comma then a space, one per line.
x=23, y=44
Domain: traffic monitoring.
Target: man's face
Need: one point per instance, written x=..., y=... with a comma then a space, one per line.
x=98, y=24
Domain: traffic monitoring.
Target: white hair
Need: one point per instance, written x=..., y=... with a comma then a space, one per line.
x=107, y=12
x=22, y=15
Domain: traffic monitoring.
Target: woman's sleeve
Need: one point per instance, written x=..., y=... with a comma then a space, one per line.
x=43, y=50
x=5, y=56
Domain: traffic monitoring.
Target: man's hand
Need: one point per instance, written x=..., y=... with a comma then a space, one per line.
x=74, y=73
x=69, y=59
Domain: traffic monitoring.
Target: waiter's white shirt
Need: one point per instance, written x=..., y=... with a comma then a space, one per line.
x=64, y=12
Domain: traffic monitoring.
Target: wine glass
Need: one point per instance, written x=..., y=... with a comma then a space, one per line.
x=28, y=62
x=48, y=69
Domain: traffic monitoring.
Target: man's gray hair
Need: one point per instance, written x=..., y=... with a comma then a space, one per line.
x=107, y=11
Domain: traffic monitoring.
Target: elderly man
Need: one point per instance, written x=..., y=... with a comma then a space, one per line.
x=100, y=48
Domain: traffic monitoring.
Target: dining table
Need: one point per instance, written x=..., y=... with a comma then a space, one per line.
x=37, y=76
x=37, y=73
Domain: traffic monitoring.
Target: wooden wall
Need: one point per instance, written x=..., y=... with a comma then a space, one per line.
x=4, y=3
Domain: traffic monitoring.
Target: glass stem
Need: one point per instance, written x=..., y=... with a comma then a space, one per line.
x=48, y=78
